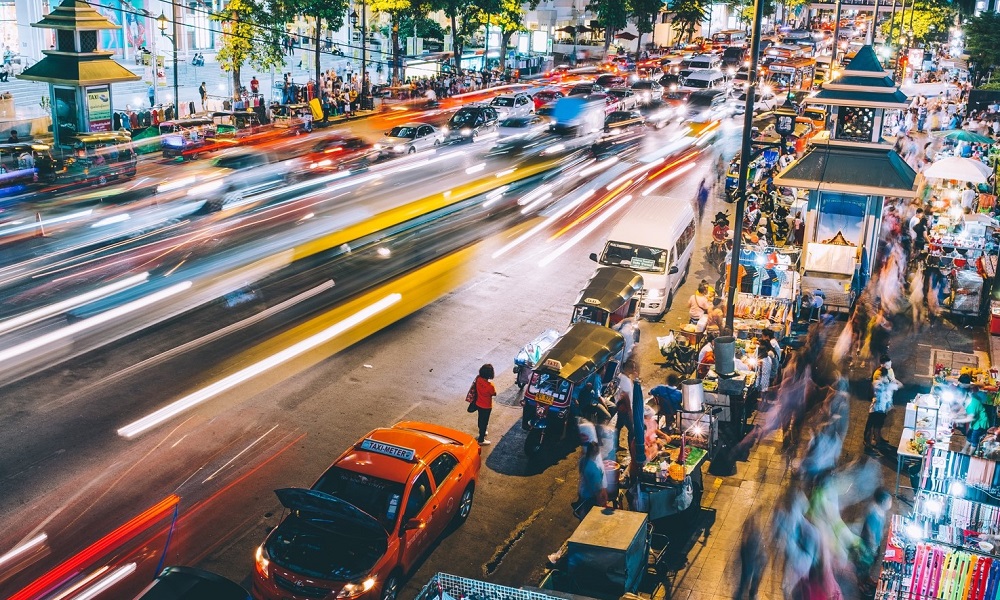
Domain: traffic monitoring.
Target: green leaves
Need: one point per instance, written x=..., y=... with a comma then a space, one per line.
x=251, y=33
x=688, y=14
x=982, y=44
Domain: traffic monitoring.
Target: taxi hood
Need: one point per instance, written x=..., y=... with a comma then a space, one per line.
x=316, y=504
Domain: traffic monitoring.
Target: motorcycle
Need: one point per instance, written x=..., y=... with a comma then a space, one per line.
x=721, y=238
x=527, y=358
x=679, y=353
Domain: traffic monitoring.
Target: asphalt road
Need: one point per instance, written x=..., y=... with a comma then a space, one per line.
x=68, y=473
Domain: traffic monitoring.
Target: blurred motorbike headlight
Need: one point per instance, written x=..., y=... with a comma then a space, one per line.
x=653, y=293
x=355, y=589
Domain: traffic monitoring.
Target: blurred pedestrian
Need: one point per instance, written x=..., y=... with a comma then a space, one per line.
x=702, y=197
x=884, y=385
x=753, y=558
x=592, y=489
x=485, y=392
x=203, y=93
x=872, y=527
x=623, y=401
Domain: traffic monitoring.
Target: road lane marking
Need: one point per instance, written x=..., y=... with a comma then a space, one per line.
x=241, y=452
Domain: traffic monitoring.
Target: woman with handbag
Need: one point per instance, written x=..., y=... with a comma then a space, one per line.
x=480, y=399
x=884, y=385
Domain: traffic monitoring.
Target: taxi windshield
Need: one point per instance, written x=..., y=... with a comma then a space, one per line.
x=377, y=497
x=323, y=549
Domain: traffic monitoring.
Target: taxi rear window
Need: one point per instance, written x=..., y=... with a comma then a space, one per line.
x=378, y=497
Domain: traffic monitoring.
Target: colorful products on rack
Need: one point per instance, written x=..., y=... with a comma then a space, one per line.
x=944, y=574
x=757, y=307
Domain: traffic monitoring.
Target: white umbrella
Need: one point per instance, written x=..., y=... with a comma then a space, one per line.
x=959, y=169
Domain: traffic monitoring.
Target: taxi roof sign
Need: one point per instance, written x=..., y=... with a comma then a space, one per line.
x=551, y=363
x=407, y=454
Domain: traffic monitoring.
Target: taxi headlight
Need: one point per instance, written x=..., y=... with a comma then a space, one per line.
x=356, y=588
x=262, y=561
x=399, y=147
x=653, y=293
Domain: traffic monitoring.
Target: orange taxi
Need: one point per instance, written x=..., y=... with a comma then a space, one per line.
x=370, y=517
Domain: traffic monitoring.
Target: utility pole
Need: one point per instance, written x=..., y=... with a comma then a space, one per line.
x=741, y=189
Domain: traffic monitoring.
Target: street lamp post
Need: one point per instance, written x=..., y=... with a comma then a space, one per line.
x=365, y=84
x=161, y=22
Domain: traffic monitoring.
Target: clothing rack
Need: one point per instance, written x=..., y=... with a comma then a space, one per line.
x=750, y=306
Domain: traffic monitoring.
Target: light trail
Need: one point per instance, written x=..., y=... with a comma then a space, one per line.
x=43, y=222
x=194, y=399
x=31, y=545
x=548, y=221
x=649, y=190
x=58, y=307
x=110, y=315
x=586, y=230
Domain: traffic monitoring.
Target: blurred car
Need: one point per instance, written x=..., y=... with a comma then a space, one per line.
x=513, y=105
x=627, y=100
x=764, y=100
x=584, y=89
x=623, y=119
x=409, y=138
x=337, y=152
x=370, y=518
x=670, y=81
x=544, y=97
x=735, y=56
x=610, y=80
x=516, y=126
x=620, y=143
x=648, y=91
x=470, y=122
x=546, y=110
x=708, y=105
x=230, y=177
x=188, y=583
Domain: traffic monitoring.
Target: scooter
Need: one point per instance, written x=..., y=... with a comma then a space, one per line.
x=680, y=355
x=527, y=358
x=721, y=238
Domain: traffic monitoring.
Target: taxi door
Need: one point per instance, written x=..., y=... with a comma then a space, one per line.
x=449, y=484
x=420, y=507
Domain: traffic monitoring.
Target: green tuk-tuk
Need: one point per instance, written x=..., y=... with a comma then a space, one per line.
x=96, y=157
x=25, y=163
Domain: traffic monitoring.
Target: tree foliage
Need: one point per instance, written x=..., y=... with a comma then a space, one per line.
x=643, y=14
x=327, y=14
x=251, y=34
x=457, y=12
x=687, y=15
x=395, y=10
x=931, y=20
x=613, y=16
x=982, y=44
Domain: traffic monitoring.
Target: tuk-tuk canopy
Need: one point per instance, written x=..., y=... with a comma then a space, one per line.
x=610, y=288
x=188, y=122
x=581, y=351
x=100, y=138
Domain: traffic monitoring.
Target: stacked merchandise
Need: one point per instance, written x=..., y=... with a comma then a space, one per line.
x=944, y=549
x=768, y=282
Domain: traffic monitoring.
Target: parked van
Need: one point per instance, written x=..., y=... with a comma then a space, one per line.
x=705, y=79
x=655, y=239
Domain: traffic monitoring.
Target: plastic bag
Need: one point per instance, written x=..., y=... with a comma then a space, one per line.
x=686, y=495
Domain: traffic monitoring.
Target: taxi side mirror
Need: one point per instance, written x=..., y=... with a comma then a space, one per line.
x=673, y=269
x=593, y=256
x=414, y=524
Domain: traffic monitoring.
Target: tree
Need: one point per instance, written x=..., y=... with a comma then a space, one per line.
x=982, y=44
x=644, y=13
x=251, y=33
x=510, y=19
x=395, y=10
x=931, y=20
x=687, y=15
x=328, y=12
x=455, y=10
x=612, y=15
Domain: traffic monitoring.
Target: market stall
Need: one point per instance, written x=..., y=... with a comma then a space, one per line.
x=769, y=284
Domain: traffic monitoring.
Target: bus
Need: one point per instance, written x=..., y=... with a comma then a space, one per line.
x=728, y=38
x=792, y=75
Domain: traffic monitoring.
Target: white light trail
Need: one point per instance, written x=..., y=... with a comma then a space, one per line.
x=106, y=583
x=600, y=166
x=680, y=171
x=548, y=221
x=475, y=168
x=226, y=383
x=527, y=209
x=43, y=222
x=30, y=545
x=527, y=198
x=79, y=585
x=58, y=307
x=586, y=231
x=111, y=220
x=110, y=315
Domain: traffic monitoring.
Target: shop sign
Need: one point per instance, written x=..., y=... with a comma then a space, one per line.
x=99, y=108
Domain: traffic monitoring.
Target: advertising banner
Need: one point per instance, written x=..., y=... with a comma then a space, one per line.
x=99, y=108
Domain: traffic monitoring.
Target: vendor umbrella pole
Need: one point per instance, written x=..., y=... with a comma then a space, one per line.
x=741, y=188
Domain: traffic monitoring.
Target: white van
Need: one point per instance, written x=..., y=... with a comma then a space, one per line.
x=705, y=79
x=655, y=239
x=702, y=61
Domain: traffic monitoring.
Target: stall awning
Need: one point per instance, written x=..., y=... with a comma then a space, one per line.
x=851, y=170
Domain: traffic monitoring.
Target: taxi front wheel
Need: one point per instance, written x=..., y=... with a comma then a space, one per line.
x=391, y=587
